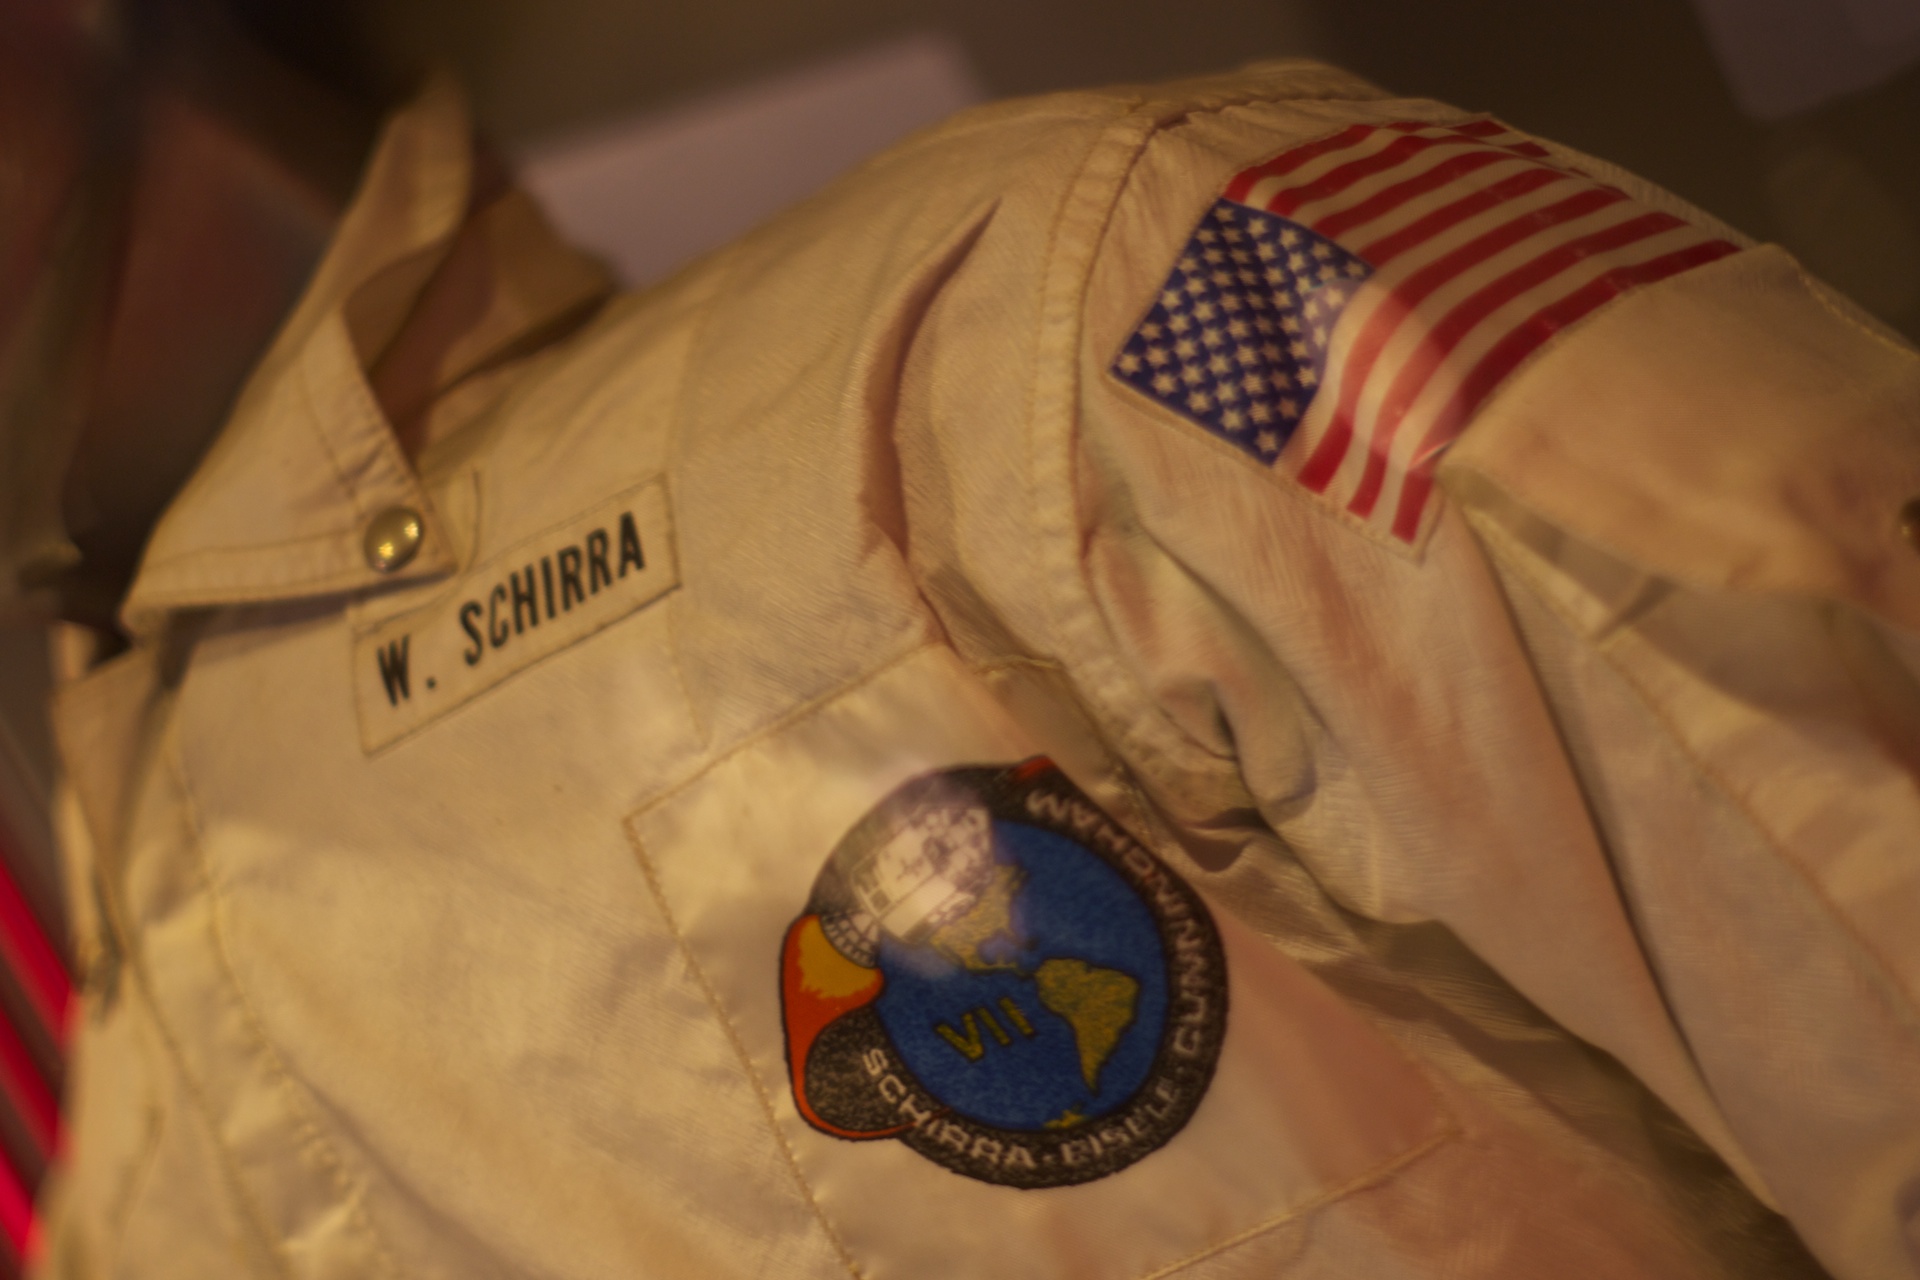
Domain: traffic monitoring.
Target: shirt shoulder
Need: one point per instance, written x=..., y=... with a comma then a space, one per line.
x=1384, y=305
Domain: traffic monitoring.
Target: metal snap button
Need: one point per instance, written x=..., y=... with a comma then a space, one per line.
x=1910, y=522
x=393, y=537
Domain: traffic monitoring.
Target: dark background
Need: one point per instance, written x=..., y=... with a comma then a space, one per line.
x=1633, y=81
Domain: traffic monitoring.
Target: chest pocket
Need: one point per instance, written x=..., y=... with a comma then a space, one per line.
x=991, y=1028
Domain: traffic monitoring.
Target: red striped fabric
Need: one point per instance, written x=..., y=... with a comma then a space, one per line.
x=30, y=957
x=37, y=1012
x=1482, y=248
x=27, y=1092
x=18, y=1228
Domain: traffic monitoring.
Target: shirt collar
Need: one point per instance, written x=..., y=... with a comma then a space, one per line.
x=280, y=506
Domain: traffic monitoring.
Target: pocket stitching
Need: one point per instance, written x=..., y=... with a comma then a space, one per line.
x=1446, y=1126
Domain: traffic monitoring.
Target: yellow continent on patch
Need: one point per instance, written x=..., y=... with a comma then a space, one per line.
x=1097, y=1003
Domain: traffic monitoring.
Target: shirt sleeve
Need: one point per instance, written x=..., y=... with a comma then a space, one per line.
x=1628, y=705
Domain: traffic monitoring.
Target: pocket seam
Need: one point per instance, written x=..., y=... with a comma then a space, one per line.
x=740, y=1050
x=1446, y=1126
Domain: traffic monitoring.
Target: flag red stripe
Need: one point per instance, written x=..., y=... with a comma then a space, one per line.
x=16, y=1212
x=1494, y=367
x=1394, y=154
x=1397, y=306
x=31, y=958
x=1287, y=162
x=1336, y=180
x=1388, y=199
x=1479, y=130
x=1438, y=343
x=1484, y=135
x=1424, y=228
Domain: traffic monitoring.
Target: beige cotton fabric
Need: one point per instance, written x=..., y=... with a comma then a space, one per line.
x=1563, y=872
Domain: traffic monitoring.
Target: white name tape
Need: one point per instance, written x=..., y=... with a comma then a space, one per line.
x=520, y=606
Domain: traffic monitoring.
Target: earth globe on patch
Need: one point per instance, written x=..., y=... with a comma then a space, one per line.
x=1025, y=980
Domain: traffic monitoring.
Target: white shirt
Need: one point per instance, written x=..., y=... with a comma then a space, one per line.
x=1528, y=895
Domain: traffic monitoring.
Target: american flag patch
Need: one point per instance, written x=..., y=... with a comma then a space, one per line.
x=1344, y=308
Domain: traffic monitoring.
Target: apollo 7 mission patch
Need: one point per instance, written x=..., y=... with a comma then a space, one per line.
x=993, y=973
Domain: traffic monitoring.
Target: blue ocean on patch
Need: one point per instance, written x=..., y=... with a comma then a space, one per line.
x=1054, y=1018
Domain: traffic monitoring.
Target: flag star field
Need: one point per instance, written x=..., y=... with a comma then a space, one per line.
x=1237, y=340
